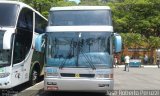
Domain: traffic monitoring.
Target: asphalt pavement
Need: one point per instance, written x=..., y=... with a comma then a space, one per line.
x=138, y=78
x=144, y=78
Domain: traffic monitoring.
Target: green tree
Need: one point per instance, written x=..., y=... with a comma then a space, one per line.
x=137, y=16
x=43, y=6
x=91, y=2
x=153, y=43
x=136, y=40
x=127, y=41
x=133, y=40
x=64, y=3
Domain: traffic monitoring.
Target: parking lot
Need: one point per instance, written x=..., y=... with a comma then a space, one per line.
x=147, y=78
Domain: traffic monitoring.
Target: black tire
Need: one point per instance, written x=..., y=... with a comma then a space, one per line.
x=34, y=77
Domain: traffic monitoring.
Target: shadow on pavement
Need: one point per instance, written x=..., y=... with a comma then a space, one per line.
x=71, y=94
x=15, y=91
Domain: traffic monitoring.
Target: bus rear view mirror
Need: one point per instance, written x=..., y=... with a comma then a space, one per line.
x=117, y=42
x=6, y=39
x=40, y=43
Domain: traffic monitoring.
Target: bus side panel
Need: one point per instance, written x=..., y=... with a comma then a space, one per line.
x=27, y=66
x=38, y=58
x=21, y=70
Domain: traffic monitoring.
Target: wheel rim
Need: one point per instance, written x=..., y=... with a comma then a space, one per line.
x=34, y=76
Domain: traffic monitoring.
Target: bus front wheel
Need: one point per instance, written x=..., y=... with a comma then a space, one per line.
x=34, y=77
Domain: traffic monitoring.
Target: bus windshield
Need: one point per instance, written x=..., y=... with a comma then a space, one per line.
x=78, y=18
x=4, y=58
x=79, y=49
x=8, y=13
x=5, y=55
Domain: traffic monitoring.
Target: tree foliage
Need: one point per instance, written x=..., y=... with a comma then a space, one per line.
x=137, y=16
x=136, y=40
x=133, y=40
x=90, y=2
x=138, y=21
x=43, y=6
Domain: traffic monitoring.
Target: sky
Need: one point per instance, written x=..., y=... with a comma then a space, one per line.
x=77, y=1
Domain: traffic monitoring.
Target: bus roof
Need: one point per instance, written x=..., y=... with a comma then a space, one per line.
x=22, y=5
x=81, y=8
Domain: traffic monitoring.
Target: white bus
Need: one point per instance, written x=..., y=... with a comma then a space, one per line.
x=79, y=49
x=19, y=27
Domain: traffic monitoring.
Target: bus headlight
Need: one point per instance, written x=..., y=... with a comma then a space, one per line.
x=50, y=74
x=3, y=75
x=50, y=71
x=110, y=76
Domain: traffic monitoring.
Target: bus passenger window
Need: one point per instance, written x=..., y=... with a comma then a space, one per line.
x=40, y=24
x=23, y=37
x=26, y=19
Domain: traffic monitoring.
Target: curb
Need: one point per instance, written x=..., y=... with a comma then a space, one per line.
x=142, y=66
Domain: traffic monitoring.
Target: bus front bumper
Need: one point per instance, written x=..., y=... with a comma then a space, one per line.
x=82, y=85
x=5, y=83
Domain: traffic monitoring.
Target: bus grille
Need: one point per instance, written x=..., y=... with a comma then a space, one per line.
x=79, y=75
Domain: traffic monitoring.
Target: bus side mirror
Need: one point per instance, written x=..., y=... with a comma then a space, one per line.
x=39, y=43
x=6, y=39
x=117, y=42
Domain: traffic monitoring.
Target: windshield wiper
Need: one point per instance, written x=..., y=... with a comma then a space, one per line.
x=89, y=61
x=62, y=64
x=79, y=50
x=86, y=57
x=69, y=56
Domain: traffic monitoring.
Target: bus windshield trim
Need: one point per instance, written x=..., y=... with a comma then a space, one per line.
x=69, y=50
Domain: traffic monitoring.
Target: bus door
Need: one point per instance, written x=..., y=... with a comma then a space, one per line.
x=18, y=59
x=22, y=45
x=22, y=54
